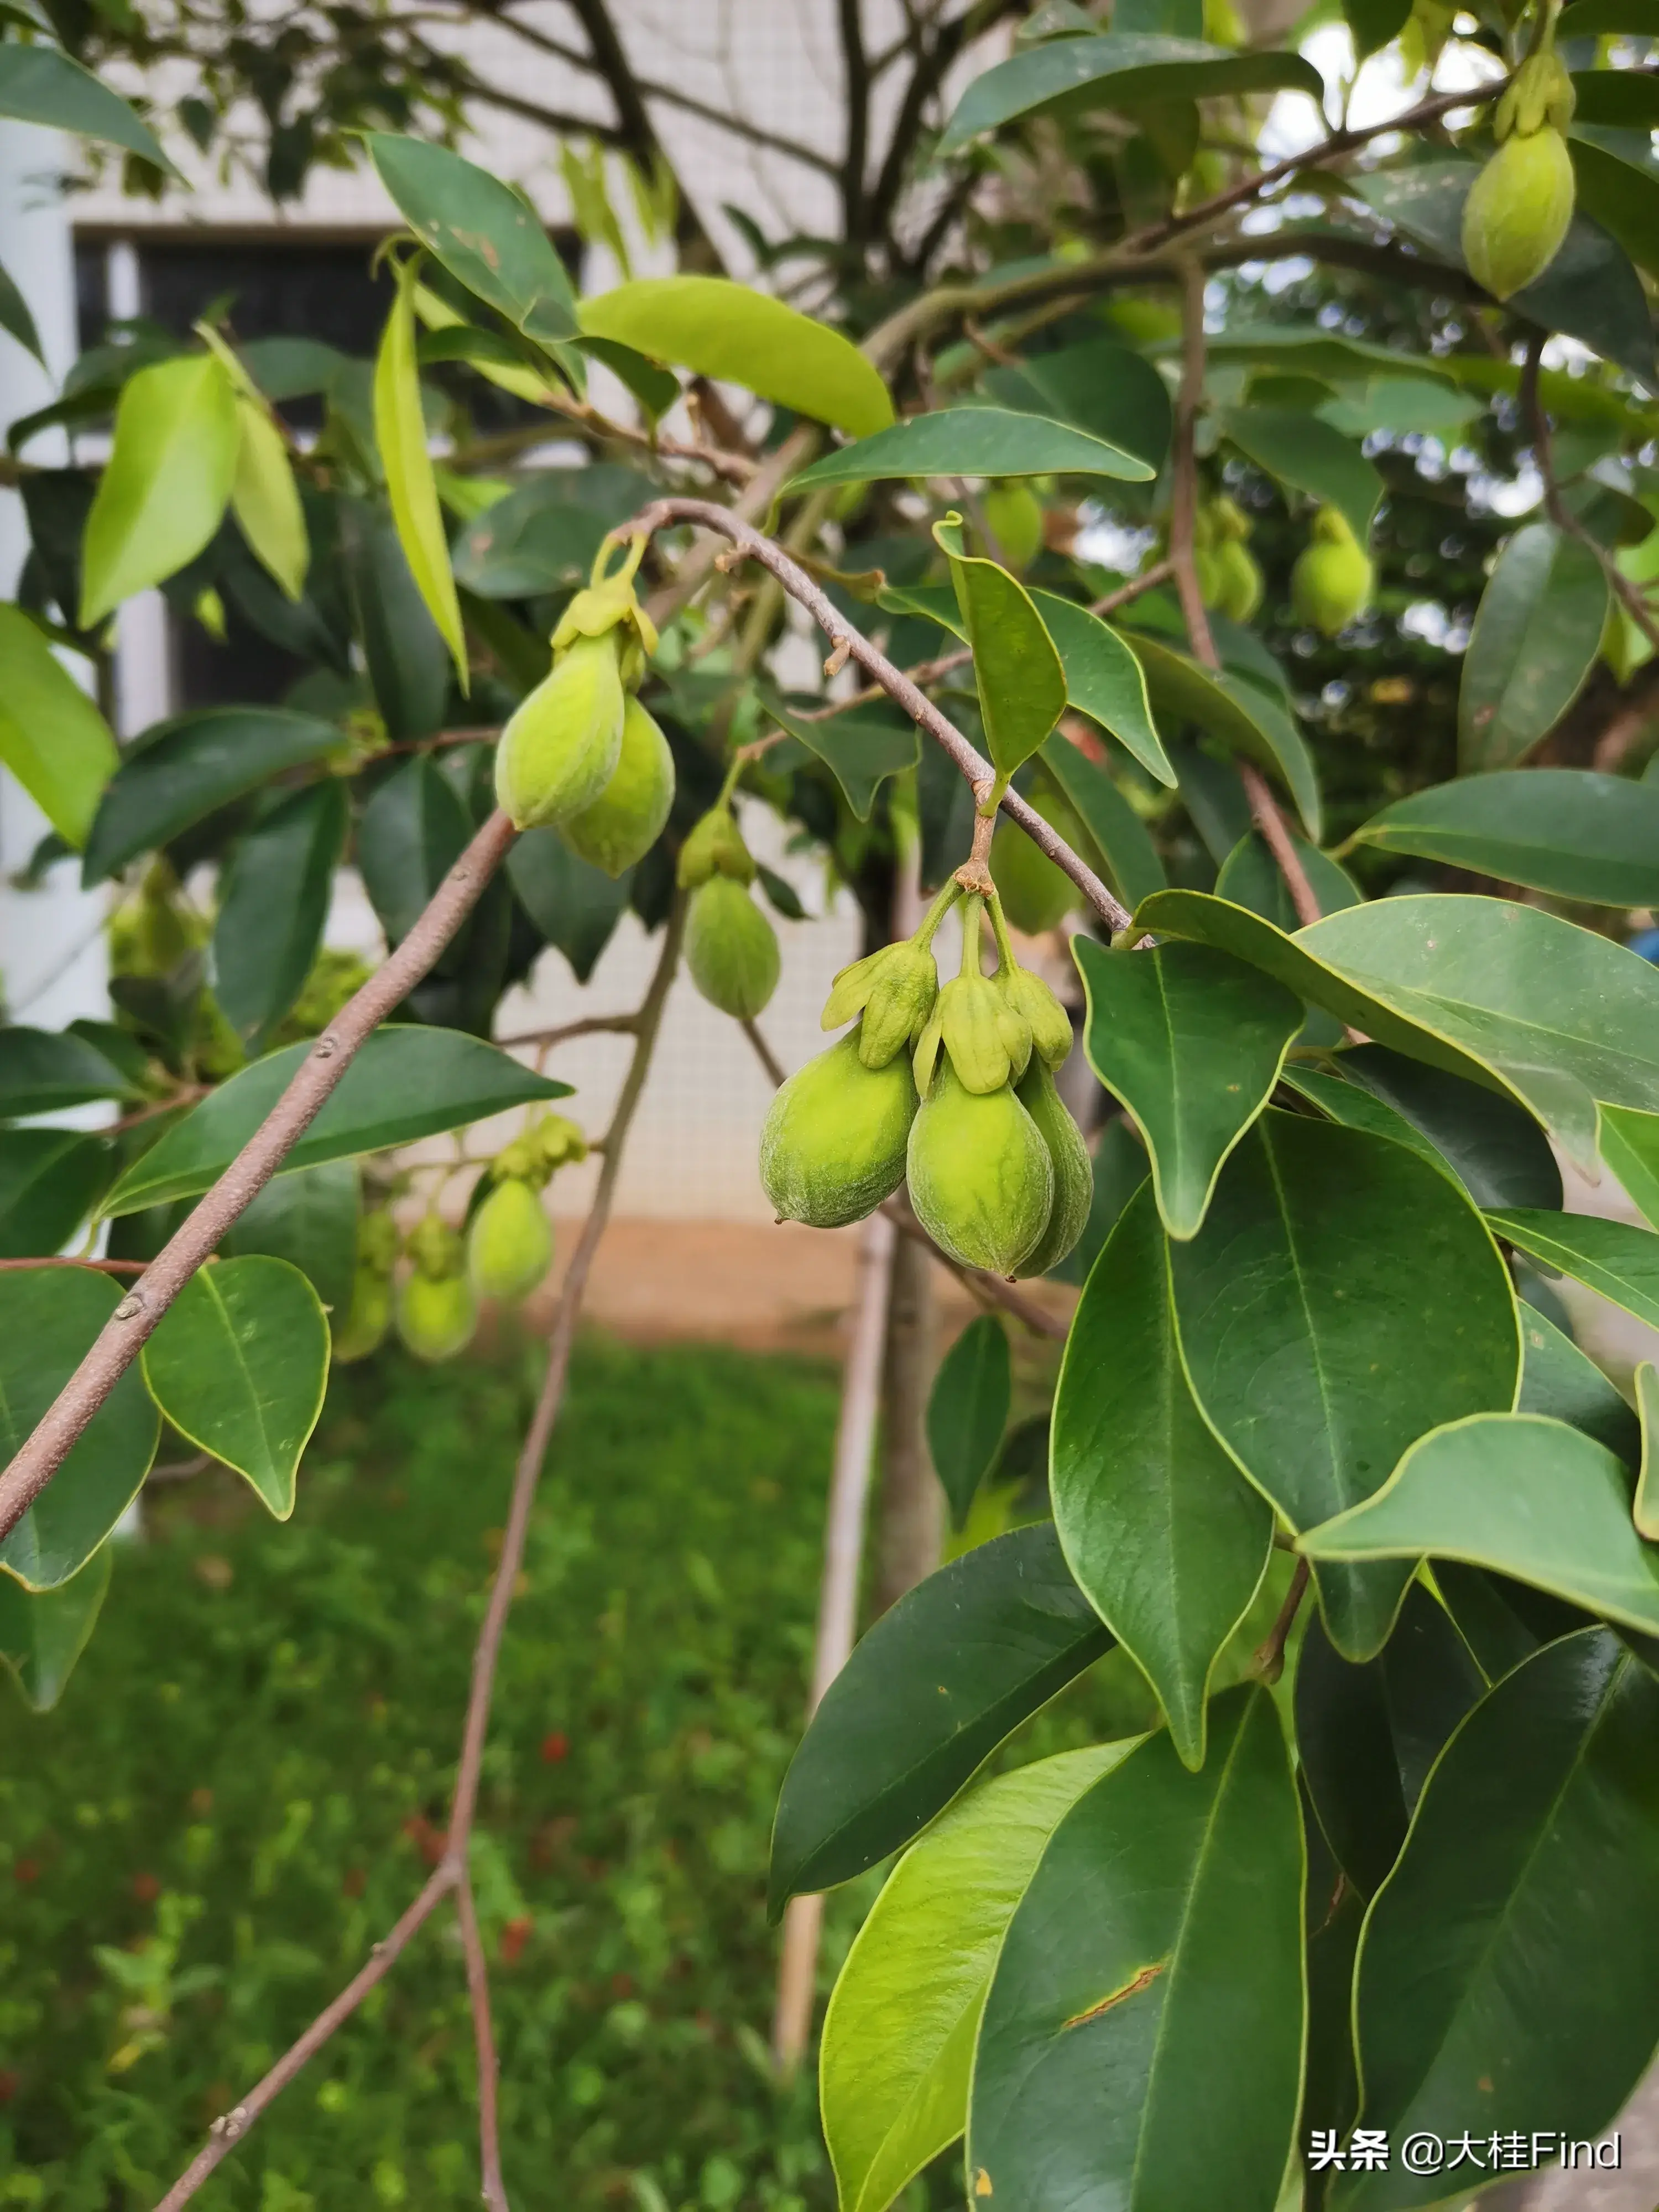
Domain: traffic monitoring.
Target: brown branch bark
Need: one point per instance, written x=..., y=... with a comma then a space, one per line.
x=915, y=703
x=124, y=1334
x=101, y=1266
x=492, y=2188
x=451, y=1873
x=590, y=1025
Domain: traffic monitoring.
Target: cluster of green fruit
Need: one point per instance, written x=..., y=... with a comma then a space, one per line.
x=731, y=948
x=1228, y=578
x=505, y=1250
x=950, y=1089
x=580, y=754
x=1520, y=207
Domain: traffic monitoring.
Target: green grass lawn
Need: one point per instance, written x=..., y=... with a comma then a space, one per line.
x=237, y=1795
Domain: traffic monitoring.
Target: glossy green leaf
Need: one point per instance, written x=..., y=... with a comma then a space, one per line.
x=404, y=1083
x=1561, y=1383
x=1604, y=96
x=15, y=319
x=412, y=832
x=1144, y=2029
x=1645, y=1509
x=1166, y=1537
x=1237, y=713
x=1358, y=1109
x=1016, y=669
x=1104, y=680
x=928, y=1693
x=532, y=541
x=407, y=660
x=39, y=84
x=264, y=498
x=898, y=2037
x=273, y=906
x=44, y=1071
x=974, y=442
x=575, y=906
x=400, y=437
x=1103, y=387
x=44, y=1632
x=1629, y=1144
x=310, y=1219
x=1113, y=70
x=239, y=1364
x=1536, y=638
x=861, y=748
x=1613, y=1258
x=49, y=1317
x=52, y=736
x=1565, y=830
x=1374, y=23
x=50, y=1182
x=1367, y=1735
x=1250, y=876
x=1192, y=1042
x=1595, y=19
x=1536, y=1849
x=165, y=488
x=485, y=233
x=1378, y=1307
x=1297, y=449
x=178, y=772
x=968, y=1410
x=1122, y=837
x=1495, y=1149
x=716, y=328
x=1618, y=182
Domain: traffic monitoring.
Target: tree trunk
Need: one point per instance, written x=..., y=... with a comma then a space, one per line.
x=912, y=1520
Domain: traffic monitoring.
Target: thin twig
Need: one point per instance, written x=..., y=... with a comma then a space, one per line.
x=590, y=1025
x=450, y=1870
x=102, y=1267
x=187, y=1097
x=1269, y=1660
x=921, y=709
x=492, y=2188
x=1629, y=594
x=119, y=1341
x=763, y=1053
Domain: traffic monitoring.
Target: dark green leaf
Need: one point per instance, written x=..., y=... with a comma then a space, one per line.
x=968, y=1410
x=656, y=389
x=974, y=442
x=574, y=905
x=1017, y=666
x=1122, y=837
x=535, y=540
x=14, y=316
x=1358, y=1109
x=1104, y=680
x=927, y=1695
x=1236, y=712
x=1558, y=1380
x=1299, y=450
x=1167, y=1539
x=1144, y=2025
x=406, y=1083
x=1374, y=23
x=179, y=771
x=1626, y=99
x=1486, y=1620
x=43, y=1071
x=1192, y=1042
x=1618, y=182
x=1378, y=1307
x=37, y=84
x=49, y=1317
x=411, y=834
x=1615, y=1258
x=50, y=1181
x=310, y=1219
x=1110, y=71
x=484, y=232
x=1595, y=19
x=1494, y=1148
x=780, y=894
x=1103, y=388
x=407, y=660
x=1565, y=830
x=1250, y=876
x=861, y=748
x=1536, y=1849
x=1630, y=1145
x=274, y=905
x=44, y=1632
x=1536, y=638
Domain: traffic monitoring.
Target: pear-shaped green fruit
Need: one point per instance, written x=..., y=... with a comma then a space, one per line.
x=1331, y=583
x=832, y=1143
x=1035, y=895
x=509, y=1245
x=361, y=1327
x=1031, y=999
x=1518, y=211
x=731, y=948
x=1238, y=581
x=437, y=1316
x=627, y=818
x=1074, y=1174
x=714, y=847
x=987, y=1038
x=561, y=746
x=980, y=1178
x=1013, y=515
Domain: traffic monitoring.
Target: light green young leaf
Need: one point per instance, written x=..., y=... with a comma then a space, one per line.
x=1536, y=638
x=1613, y=1258
x=44, y=1632
x=898, y=2037
x=1168, y=1540
x=52, y=736
x=1192, y=1042
x=265, y=500
x=400, y=435
x=1017, y=671
x=974, y=442
x=716, y=328
x=480, y=230
x=1645, y=1511
x=165, y=488
x=240, y=1364
x=1565, y=830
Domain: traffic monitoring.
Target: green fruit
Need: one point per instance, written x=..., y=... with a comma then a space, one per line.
x=1518, y=211
x=731, y=948
x=361, y=1328
x=1237, y=579
x=378, y=1242
x=1035, y=895
x=714, y=848
x=1031, y=999
x=1074, y=1174
x=1013, y=515
x=627, y=818
x=560, y=748
x=987, y=1039
x=1331, y=583
x=894, y=990
x=509, y=1245
x=832, y=1143
x=980, y=1178
x=436, y=1318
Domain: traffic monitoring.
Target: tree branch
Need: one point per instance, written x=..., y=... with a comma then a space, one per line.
x=124, y=1334
x=921, y=709
x=493, y=2189
x=1629, y=595
x=855, y=72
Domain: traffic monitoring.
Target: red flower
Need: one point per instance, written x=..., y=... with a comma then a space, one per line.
x=556, y=1745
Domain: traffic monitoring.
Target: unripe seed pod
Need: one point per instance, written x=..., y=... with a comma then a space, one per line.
x=361, y=1327
x=436, y=1249
x=556, y=1142
x=731, y=949
x=1013, y=515
x=627, y=818
x=714, y=848
x=894, y=990
x=1049, y=1022
x=509, y=1244
x=832, y=1143
x=980, y=1178
x=988, y=1040
x=559, y=750
x=436, y=1317
x=1238, y=581
x=1518, y=211
x=1036, y=896
x=1228, y=523
x=1331, y=583
x=1074, y=1174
